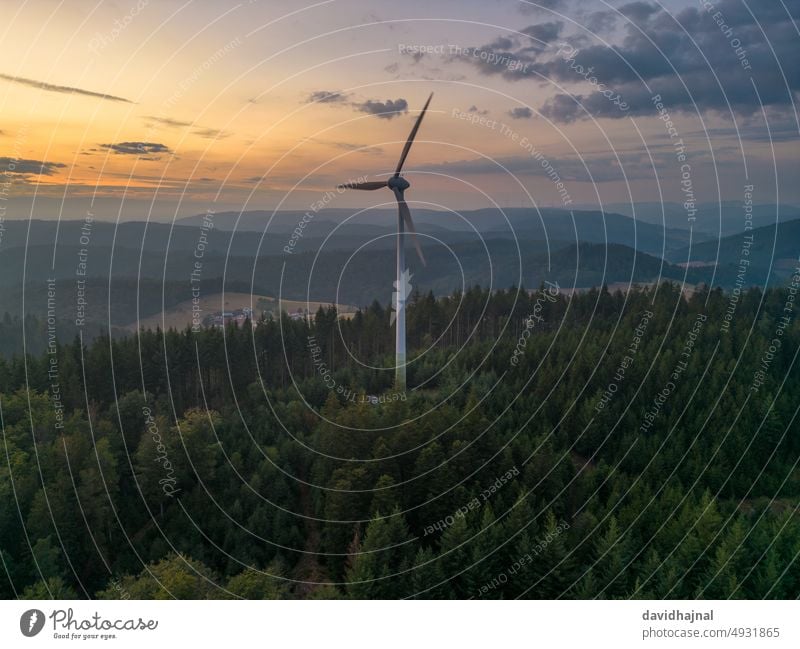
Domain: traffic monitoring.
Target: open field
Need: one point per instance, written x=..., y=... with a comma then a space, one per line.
x=180, y=316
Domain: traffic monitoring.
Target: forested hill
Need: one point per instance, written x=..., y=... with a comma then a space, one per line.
x=603, y=445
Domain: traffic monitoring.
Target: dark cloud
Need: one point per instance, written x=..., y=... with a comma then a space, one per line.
x=638, y=10
x=600, y=22
x=512, y=56
x=565, y=108
x=545, y=32
x=21, y=167
x=150, y=150
x=502, y=43
x=69, y=90
x=509, y=62
x=475, y=109
x=702, y=75
x=326, y=97
x=383, y=109
x=570, y=108
x=687, y=58
x=521, y=112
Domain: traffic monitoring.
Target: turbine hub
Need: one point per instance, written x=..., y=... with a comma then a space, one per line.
x=398, y=182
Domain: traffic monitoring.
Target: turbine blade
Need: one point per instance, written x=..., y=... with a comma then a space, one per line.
x=405, y=214
x=369, y=186
x=411, y=136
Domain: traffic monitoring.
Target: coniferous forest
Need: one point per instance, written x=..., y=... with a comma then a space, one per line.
x=599, y=445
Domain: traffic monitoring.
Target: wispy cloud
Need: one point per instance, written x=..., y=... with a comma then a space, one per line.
x=367, y=149
x=168, y=121
x=598, y=166
x=327, y=96
x=67, y=90
x=20, y=167
x=210, y=133
x=199, y=131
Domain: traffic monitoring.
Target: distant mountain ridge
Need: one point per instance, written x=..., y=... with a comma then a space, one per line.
x=352, y=262
x=548, y=223
x=771, y=257
x=340, y=229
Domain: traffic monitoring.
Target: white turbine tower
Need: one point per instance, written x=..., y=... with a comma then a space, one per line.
x=399, y=185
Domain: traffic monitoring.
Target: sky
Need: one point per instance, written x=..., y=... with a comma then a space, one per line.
x=138, y=109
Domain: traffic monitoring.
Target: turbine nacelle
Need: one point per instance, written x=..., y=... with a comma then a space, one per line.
x=398, y=182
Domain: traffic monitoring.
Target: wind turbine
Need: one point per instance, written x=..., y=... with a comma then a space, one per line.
x=398, y=184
